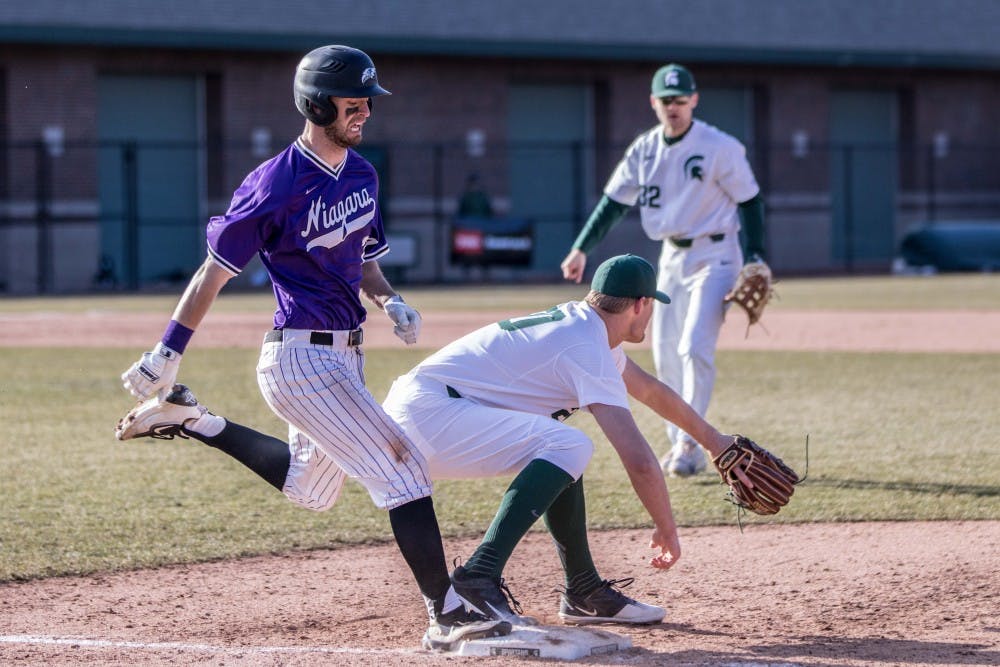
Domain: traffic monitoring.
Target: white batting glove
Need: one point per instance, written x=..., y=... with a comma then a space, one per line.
x=406, y=319
x=155, y=370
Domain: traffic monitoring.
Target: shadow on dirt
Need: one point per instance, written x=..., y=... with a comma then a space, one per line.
x=816, y=650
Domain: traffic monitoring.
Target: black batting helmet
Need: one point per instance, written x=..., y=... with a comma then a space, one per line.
x=333, y=71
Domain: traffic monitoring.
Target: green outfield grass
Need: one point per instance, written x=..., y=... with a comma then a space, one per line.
x=976, y=291
x=892, y=436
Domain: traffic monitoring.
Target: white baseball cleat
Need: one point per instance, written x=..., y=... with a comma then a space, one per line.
x=161, y=419
x=684, y=460
x=607, y=605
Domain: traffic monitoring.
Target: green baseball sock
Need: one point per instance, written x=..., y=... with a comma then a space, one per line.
x=527, y=498
x=566, y=519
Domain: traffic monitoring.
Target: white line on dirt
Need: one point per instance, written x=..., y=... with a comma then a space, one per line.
x=180, y=646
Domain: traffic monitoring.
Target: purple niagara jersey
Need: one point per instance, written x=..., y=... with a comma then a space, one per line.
x=313, y=226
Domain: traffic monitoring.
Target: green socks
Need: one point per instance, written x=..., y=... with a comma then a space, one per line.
x=527, y=498
x=566, y=519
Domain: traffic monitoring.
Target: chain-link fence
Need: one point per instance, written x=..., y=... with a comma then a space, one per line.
x=127, y=215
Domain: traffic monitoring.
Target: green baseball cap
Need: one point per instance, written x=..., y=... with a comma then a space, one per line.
x=673, y=79
x=627, y=276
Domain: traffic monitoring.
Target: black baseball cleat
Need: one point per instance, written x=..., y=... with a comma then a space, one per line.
x=489, y=597
x=448, y=630
x=161, y=419
x=607, y=605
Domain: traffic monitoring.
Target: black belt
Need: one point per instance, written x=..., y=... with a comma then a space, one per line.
x=686, y=243
x=452, y=392
x=354, y=338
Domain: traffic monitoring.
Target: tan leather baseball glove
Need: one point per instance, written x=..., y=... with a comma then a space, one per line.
x=752, y=290
x=758, y=480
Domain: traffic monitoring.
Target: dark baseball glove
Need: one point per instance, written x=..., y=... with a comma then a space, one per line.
x=752, y=290
x=758, y=480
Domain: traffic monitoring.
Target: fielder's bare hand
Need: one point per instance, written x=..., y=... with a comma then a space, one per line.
x=670, y=549
x=155, y=370
x=406, y=319
x=574, y=264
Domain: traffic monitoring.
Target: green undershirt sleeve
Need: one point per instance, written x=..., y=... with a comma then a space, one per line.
x=605, y=215
x=751, y=214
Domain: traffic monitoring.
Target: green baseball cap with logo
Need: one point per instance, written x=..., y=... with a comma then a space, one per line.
x=627, y=276
x=673, y=80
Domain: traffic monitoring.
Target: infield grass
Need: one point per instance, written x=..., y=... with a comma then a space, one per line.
x=892, y=436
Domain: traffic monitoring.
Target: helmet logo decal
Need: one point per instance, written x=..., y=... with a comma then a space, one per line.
x=367, y=75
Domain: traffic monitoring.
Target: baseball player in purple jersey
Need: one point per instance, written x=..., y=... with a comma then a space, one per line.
x=311, y=214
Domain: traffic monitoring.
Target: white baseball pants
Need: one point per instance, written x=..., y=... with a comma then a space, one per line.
x=336, y=428
x=462, y=439
x=686, y=331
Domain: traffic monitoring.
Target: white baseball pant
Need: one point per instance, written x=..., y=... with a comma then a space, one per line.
x=686, y=331
x=336, y=427
x=462, y=439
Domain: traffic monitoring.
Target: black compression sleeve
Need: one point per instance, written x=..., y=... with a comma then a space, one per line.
x=751, y=214
x=606, y=215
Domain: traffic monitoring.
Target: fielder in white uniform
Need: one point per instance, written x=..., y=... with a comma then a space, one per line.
x=311, y=214
x=694, y=188
x=494, y=403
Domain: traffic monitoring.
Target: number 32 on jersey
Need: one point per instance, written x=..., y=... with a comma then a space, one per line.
x=649, y=196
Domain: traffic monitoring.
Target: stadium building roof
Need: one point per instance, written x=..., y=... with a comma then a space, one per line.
x=893, y=33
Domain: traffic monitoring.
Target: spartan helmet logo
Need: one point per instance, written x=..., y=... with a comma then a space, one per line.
x=671, y=79
x=692, y=167
x=367, y=75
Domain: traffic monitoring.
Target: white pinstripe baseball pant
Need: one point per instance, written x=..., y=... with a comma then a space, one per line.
x=334, y=422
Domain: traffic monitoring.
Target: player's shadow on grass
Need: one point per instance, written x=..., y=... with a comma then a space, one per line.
x=934, y=488
x=814, y=649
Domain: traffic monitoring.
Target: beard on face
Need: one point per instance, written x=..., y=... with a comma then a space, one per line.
x=339, y=137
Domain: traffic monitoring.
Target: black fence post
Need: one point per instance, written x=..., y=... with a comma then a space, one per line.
x=578, y=189
x=43, y=214
x=130, y=223
x=848, y=209
x=931, y=184
x=440, y=243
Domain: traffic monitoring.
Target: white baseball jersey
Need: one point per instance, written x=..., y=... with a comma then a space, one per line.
x=688, y=189
x=494, y=400
x=545, y=363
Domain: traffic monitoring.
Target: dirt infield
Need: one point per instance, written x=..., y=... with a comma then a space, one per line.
x=899, y=331
x=823, y=595
x=831, y=594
